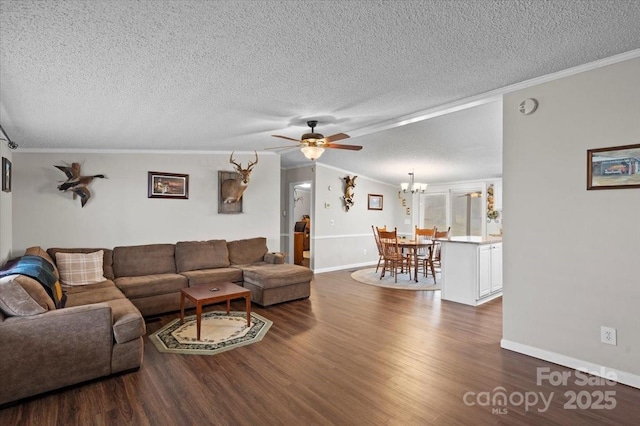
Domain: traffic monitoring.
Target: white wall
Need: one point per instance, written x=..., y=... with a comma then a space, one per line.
x=344, y=239
x=119, y=212
x=5, y=213
x=571, y=255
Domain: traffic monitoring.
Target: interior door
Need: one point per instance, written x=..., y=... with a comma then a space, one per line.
x=301, y=212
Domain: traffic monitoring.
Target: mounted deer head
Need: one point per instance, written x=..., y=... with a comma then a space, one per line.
x=232, y=189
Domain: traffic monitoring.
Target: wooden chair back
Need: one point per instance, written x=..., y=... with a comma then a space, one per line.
x=423, y=235
x=442, y=234
x=389, y=243
x=376, y=235
x=437, y=248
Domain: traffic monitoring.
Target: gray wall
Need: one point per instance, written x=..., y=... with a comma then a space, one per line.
x=119, y=212
x=344, y=239
x=5, y=213
x=571, y=255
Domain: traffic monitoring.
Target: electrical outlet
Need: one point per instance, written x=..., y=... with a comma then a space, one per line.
x=608, y=335
x=365, y=252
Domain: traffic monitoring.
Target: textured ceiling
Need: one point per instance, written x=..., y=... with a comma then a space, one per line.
x=225, y=75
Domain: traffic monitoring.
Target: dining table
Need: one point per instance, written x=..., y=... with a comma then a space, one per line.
x=412, y=246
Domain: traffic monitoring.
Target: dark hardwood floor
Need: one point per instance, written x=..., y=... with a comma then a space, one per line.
x=352, y=354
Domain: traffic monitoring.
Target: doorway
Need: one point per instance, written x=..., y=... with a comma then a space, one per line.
x=300, y=223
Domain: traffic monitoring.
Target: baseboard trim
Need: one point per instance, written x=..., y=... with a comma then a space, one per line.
x=343, y=267
x=623, y=377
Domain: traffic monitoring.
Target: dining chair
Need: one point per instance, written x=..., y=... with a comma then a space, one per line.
x=437, y=247
x=376, y=230
x=392, y=255
x=425, y=253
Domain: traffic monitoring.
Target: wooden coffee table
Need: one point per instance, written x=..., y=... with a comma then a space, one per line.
x=206, y=294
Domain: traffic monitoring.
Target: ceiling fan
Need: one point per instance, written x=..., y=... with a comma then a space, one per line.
x=313, y=144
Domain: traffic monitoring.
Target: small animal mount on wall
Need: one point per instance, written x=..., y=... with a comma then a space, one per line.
x=233, y=185
x=76, y=183
x=350, y=183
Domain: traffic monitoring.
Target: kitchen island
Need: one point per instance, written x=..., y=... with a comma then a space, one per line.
x=471, y=269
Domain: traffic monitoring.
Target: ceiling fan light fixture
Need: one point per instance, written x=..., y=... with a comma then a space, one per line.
x=312, y=152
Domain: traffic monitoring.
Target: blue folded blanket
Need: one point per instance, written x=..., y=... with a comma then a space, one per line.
x=40, y=270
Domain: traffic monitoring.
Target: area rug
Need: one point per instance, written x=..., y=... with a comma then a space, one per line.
x=371, y=277
x=219, y=332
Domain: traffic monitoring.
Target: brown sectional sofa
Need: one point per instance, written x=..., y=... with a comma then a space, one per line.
x=99, y=331
x=151, y=276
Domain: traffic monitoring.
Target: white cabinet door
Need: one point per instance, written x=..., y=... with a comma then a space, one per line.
x=496, y=267
x=484, y=270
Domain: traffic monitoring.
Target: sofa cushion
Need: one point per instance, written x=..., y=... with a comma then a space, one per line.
x=93, y=293
x=36, y=291
x=151, y=259
x=275, y=257
x=80, y=268
x=251, y=250
x=107, y=259
x=270, y=276
x=151, y=285
x=210, y=276
x=195, y=255
x=128, y=323
x=15, y=300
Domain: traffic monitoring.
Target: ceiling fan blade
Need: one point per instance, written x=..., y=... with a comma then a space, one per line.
x=284, y=147
x=286, y=137
x=340, y=146
x=336, y=137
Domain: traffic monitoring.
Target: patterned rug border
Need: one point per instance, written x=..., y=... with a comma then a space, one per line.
x=259, y=327
x=369, y=276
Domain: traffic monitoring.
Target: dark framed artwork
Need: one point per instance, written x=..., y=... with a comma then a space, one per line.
x=168, y=185
x=374, y=202
x=6, y=175
x=616, y=167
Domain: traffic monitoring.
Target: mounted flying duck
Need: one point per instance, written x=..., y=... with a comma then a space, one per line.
x=76, y=183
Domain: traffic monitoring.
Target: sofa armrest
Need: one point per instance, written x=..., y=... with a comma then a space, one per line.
x=275, y=257
x=54, y=349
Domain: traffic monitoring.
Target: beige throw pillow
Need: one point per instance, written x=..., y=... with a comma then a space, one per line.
x=80, y=268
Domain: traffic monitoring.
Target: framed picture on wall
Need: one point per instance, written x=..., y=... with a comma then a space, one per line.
x=6, y=175
x=615, y=167
x=374, y=202
x=168, y=185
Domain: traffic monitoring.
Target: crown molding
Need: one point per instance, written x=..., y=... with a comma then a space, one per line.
x=491, y=96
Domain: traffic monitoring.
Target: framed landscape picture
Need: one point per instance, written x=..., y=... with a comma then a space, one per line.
x=615, y=167
x=374, y=202
x=6, y=175
x=168, y=185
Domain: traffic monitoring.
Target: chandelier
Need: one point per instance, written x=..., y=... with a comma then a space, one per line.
x=412, y=186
